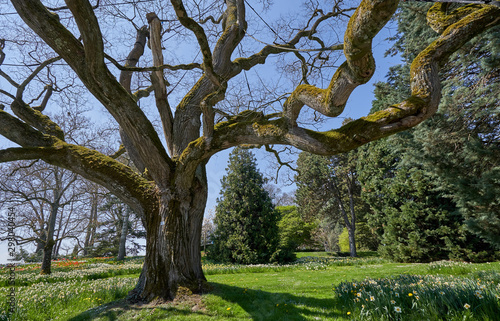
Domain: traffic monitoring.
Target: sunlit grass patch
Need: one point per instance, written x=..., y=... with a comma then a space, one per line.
x=46, y=301
x=414, y=297
x=314, y=263
x=91, y=271
x=450, y=267
x=298, y=291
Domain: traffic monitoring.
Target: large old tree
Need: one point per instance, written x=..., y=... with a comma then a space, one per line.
x=169, y=190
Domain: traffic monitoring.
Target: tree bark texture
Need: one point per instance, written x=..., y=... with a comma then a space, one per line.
x=92, y=225
x=170, y=191
x=123, y=235
x=173, y=244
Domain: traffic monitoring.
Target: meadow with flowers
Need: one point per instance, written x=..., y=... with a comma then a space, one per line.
x=317, y=286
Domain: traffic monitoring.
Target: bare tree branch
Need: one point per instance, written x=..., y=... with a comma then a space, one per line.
x=46, y=98
x=280, y=162
x=155, y=68
x=211, y=18
x=158, y=80
x=198, y=31
x=22, y=86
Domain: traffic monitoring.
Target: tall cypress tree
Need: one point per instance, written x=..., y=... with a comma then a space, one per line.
x=246, y=221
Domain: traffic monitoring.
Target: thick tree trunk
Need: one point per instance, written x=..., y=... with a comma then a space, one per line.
x=47, y=257
x=173, y=245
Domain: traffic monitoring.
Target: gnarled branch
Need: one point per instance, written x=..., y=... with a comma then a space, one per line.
x=191, y=66
x=364, y=24
x=252, y=128
x=89, y=65
x=117, y=177
x=198, y=31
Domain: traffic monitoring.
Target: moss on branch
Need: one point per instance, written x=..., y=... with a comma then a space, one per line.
x=439, y=19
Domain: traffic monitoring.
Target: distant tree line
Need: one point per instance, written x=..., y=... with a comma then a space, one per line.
x=58, y=213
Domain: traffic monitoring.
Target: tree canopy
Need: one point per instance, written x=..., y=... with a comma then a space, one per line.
x=82, y=49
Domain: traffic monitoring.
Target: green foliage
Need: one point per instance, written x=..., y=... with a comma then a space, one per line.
x=431, y=186
x=366, y=240
x=344, y=241
x=414, y=220
x=293, y=231
x=246, y=221
x=28, y=257
x=460, y=146
x=311, y=184
x=328, y=191
x=414, y=297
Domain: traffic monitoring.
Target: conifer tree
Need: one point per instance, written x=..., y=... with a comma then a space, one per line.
x=431, y=186
x=245, y=218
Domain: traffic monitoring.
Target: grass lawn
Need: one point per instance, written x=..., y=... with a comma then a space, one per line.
x=317, y=288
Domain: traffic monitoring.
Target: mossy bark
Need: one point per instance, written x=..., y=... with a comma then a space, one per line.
x=173, y=244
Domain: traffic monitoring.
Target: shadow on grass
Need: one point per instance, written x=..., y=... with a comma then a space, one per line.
x=121, y=308
x=260, y=305
x=263, y=305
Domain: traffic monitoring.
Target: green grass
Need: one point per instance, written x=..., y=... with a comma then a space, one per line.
x=308, y=290
x=316, y=254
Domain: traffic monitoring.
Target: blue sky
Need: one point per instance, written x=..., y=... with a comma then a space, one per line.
x=358, y=105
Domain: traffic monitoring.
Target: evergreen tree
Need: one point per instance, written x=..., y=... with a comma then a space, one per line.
x=246, y=221
x=428, y=184
x=461, y=145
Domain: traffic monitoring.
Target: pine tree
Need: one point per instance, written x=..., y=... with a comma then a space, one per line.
x=430, y=186
x=245, y=218
x=461, y=145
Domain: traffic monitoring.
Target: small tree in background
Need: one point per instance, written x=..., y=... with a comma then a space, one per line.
x=293, y=231
x=207, y=229
x=329, y=191
x=118, y=226
x=245, y=218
